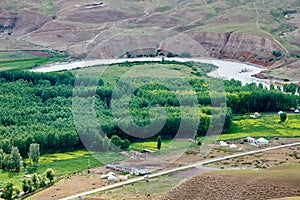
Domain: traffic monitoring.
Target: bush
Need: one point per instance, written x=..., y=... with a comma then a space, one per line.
x=277, y=54
x=283, y=117
x=49, y=174
x=186, y=54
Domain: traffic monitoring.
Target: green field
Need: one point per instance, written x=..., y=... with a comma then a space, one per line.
x=62, y=164
x=166, y=147
x=111, y=73
x=12, y=56
x=267, y=126
x=21, y=60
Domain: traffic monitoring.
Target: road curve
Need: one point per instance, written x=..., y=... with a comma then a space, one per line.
x=175, y=170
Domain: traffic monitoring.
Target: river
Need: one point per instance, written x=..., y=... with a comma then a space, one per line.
x=226, y=69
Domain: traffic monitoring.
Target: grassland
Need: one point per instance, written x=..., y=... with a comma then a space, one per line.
x=145, y=69
x=166, y=147
x=12, y=56
x=22, y=60
x=62, y=164
x=267, y=126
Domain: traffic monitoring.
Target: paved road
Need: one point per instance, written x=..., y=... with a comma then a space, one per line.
x=176, y=169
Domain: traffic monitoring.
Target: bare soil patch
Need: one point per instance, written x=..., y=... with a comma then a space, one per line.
x=233, y=187
x=100, y=16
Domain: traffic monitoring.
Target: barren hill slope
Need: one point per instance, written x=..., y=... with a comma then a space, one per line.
x=247, y=31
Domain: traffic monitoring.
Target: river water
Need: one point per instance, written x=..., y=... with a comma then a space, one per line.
x=226, y=69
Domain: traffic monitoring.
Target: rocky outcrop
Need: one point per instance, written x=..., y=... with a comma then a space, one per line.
x=242, y=47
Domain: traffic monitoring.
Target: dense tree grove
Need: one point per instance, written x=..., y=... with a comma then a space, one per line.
x=37, y=108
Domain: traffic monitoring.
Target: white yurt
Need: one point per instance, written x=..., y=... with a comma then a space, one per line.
x=262, y=141
x=297, y=111
x=111, y=178
x=223, y=144
x=104, y=176
x=232, y=146
x=251, y=140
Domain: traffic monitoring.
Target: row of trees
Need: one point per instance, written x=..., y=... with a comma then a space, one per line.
x=13, y=161
x=28, y=185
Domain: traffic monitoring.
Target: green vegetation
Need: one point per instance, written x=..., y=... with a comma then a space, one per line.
x=167, y=145
x=26, y=60
x=12, y=56
x=283, y=117
x=34, y=153
x=27, y=63
x=158, y=142
x=37, y=108
x=8, y=191
x=267, y=126
x=62, y=164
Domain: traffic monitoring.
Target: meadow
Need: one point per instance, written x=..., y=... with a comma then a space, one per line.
x=243, y=126
x=18, y=60
x=267, y=126
x=62, y=164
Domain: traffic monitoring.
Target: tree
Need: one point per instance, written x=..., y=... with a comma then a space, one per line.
x=49, y=174
x=116, y=140
x=15, y=159
x=34, y=153
x=1, y=158
x=35, y=181
x=25, y=186
x=29, y=183
x=277, y=54
x=158, y=142
x=283, y=117
x=125, y=144
x=106, y=144
x=7, y=192
x=186, y=54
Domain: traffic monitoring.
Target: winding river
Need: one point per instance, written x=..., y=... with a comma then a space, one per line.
x=226, y=69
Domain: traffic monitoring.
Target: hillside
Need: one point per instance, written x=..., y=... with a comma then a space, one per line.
x=248, y=31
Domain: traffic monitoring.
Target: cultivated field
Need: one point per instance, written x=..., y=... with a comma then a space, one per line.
x=277, y=182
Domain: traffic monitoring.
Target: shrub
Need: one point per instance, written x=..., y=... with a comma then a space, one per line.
x=277, y=54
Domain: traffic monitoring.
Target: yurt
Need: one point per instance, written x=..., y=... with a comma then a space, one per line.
x=262, y=141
